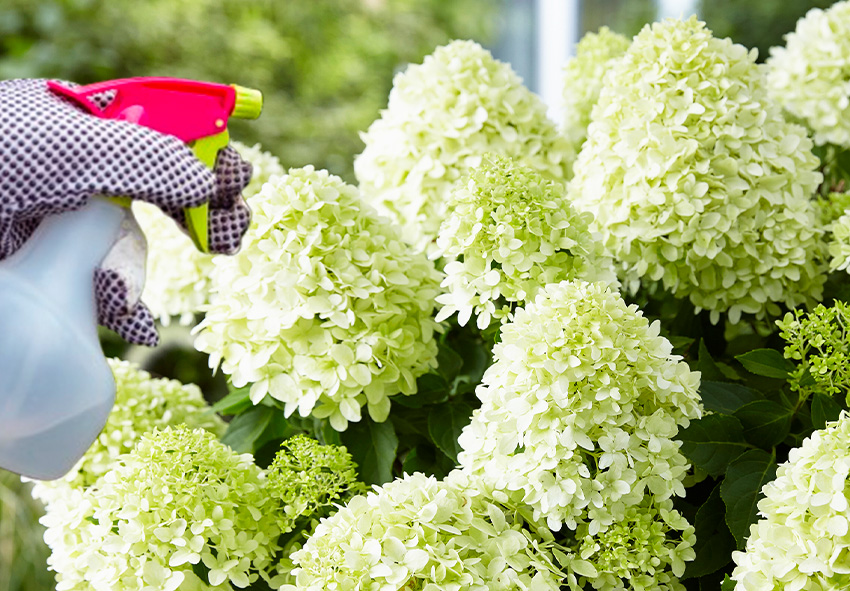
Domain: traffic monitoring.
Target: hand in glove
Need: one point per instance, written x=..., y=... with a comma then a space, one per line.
x=54, y=157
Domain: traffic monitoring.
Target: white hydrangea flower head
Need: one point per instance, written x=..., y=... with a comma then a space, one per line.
x=810, y=76
x=443, y=116
x=508, y=232
x=421, y=533
x=802, y=541
x=580, y=410
x=839, y=244
x=697, y=181
x=326, y=309
x=177, y=281
x=181, y=498
x=142, y=404
x=646, y=549
x=583, y=75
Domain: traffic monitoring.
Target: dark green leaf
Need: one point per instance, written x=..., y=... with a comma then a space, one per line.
x=766, y=423
x=448, y=363
x=431, y=388
x=234, y=403
x=741, y=490
x=245, y=429
x=712, y=442
x=445, y=422
x=714, y=543
x=373, y=447
x=680, y=344
x=429, y=460
x=766, y=362
x=728, y=584
x=706, y=364
x=824, y=409
x=726, y=398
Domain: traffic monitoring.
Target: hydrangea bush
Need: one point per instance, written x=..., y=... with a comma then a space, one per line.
x=696, y=180
x=508, y=232
x=583, y=80
x=443, y=116
x=177, y=282
x=325, y=309
x=809, y=76
x=573, y=437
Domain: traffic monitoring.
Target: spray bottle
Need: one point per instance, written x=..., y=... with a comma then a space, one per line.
x=56, y=389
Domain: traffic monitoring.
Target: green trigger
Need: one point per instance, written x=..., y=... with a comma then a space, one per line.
x=206, y=149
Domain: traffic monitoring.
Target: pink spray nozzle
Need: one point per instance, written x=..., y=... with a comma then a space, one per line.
x=187, y=109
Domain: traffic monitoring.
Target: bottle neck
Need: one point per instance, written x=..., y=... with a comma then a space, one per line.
x=60, y=257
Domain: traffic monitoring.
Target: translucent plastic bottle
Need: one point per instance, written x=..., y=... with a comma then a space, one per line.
x=56, y=389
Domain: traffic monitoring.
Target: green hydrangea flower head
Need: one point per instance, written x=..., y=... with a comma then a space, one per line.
x=697, y=181
x=142, y=404
x=580, y=410
x=809, y=76
x=508, y=232
x=802, y=540
x=646, y=549
x=583, y=80
x=177, y=281
x=817, y=341
x=421, y=533
x=309, y=478
x=179, y=500
x=325, y=308
x=443, y=116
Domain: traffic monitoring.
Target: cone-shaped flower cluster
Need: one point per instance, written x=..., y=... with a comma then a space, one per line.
x=583, y=80
x=578, y=421
x=697, y=181
x=508, y=232
x=182, y=510
x=142, y=404
x=442, y=117
x=421, y=533
x=325, y=308
x=802, y=541
x=177, y=281
x=809, y=76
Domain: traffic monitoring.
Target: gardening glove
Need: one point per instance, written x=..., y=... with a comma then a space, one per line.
x=54, y=157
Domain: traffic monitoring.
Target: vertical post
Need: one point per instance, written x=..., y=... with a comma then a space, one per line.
x=558, y=28
x=676, y=8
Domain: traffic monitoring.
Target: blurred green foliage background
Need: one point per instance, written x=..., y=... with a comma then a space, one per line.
x=326, y=68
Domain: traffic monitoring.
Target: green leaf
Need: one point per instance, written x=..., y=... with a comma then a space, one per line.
x=235, y=402
x=431, y=388
x=766, y=423
x=726, y=398
x=245, y=429
x=712, y=442
x=429, y=460
x=766, y=362
x=714, y=543
x=728, y=584
x=824, y=409
x=680, y=344
x=741, y=490
x=445, y=422
x=373, y=447
x=706, y=364
x=448, y=363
